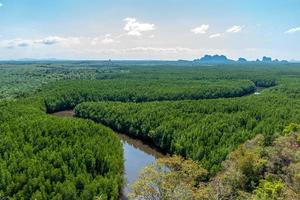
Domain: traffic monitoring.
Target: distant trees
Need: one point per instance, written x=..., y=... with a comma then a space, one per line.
x=19, y=79
x=66, y=95
x=264, y=82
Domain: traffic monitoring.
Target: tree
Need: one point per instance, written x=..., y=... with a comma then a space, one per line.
x=169, y=178
x=269, y=190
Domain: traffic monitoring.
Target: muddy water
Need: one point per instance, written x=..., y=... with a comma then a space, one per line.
x=137, y=155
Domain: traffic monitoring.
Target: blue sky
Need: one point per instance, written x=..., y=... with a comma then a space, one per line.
x=149, y=29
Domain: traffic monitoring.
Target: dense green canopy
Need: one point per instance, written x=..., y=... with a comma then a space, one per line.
x=200, y=112
x=43, y=157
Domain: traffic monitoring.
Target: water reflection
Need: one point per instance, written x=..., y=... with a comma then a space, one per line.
x=137, y=156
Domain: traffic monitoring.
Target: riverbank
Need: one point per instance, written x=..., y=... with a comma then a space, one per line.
x=137, y=155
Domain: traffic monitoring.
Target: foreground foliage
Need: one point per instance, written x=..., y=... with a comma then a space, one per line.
x=253, y=171
x=169, y=178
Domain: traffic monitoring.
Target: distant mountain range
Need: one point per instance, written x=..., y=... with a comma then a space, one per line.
x=224, y=59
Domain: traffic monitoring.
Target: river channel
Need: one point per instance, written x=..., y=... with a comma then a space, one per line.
x=137, y=155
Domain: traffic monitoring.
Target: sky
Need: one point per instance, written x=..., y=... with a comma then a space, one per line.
x=149, y=29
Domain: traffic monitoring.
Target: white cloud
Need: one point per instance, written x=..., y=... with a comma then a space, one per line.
x=1, y=4
x=17, y=43
x=201, y=29
x=135, y=28
x=51, y=40
x=108, y=39
x=215, y=35
x=234, y=29
x=293, y=30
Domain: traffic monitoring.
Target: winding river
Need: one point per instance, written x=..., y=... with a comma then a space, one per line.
x=137, y=155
